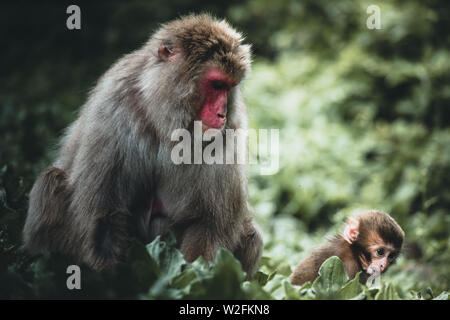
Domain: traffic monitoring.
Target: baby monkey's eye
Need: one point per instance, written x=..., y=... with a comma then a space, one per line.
x=380, y=251
x=391, y=256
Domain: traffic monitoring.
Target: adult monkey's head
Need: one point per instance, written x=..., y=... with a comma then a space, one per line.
x=199, y=62
x=115, y=178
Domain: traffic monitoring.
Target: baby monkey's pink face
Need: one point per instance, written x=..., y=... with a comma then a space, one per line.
x=382, y=256
x=371, y=241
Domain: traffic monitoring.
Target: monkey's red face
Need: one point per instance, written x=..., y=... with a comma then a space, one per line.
x=215, y=88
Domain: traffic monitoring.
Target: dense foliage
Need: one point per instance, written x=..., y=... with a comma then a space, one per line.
x=364, y=122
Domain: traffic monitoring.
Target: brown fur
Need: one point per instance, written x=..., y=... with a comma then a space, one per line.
x=375, y=227
x=114, y=160
x=308, y=269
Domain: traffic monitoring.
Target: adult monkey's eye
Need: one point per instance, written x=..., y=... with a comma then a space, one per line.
x=219, y=85
x=380, y=251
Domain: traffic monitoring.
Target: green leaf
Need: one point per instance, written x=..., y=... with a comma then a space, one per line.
x=184, y=279
x=352, y=290
x=387, y=292
x=332, y=277
x=284, y=269
x=255, y=291
x=170, y=260
x=271, y=275
x=260, y=278
x=291, y=292
x=221, y=280
x=275, y=287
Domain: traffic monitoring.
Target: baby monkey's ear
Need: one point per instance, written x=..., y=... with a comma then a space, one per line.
x=351, y=231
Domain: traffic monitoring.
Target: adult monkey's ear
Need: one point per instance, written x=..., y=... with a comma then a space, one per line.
x=166, y=52
x=351, y=231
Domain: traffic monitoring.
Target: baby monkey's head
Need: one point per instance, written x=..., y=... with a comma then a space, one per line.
x=375, y=239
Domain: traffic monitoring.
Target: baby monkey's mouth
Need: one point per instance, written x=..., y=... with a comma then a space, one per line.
x=373, y=270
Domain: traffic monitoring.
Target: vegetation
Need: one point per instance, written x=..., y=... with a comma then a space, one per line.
x=364, y=123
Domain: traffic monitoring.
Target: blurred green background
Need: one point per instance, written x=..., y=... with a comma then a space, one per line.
x=364, y=119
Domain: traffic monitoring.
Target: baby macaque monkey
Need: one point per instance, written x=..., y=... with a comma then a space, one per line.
x=370, y=242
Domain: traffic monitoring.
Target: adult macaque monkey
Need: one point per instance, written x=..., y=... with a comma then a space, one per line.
x=370, y=242
x=114, y=177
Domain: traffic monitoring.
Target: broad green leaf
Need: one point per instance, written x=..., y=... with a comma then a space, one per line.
x=332, y=277
x=170, y=260
x=221, y=281
x=370, y=293
x=361, y=296
x=284, y=269
x=291, y=292
x=260, y=278
x=275, y=287
x=271, y=275
x=185, y=278
x=352, y=289
x=255, y=291
x=387, y=292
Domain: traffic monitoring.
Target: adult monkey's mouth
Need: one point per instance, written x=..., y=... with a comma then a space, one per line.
x=215, y=86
